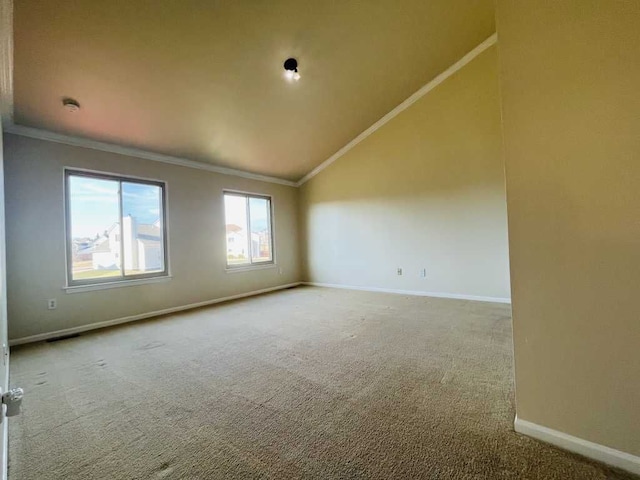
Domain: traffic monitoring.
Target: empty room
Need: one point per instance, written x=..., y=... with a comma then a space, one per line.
x=320, y=240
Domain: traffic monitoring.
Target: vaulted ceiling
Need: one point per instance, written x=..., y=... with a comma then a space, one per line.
x=203, y=79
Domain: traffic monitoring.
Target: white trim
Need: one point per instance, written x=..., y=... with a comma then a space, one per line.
x=5, y=422
x=417, y=293
x=121, y=176
x=116, y=284
x=403, y=106
x=109, y=323
x=6, y=113
x=248, y=268
x=5, y=449
x=6, y=61
x=137, y=153
x=122, y=282
x=242, y=192
x=595, y=451
x=272, y=231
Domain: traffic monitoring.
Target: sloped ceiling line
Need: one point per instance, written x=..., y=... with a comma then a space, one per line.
x=403, y=106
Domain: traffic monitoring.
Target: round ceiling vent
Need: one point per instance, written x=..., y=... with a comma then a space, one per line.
x=70, y=105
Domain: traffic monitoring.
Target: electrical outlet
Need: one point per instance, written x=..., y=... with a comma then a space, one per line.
x=399, y=271
x=423, y=273
x=52, y=304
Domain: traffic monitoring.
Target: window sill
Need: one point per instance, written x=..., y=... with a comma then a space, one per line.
x=119, y=284
x=249, y=268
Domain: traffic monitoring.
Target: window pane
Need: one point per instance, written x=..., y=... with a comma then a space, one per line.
x=259, y=213
x=142, y=230
x=93, y=215
x=235, y=214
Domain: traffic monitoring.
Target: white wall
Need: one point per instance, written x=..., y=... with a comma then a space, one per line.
x=197, y=250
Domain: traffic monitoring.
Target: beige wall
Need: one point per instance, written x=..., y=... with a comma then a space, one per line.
x=424, y=191
x=570, y=83
x=36, y=238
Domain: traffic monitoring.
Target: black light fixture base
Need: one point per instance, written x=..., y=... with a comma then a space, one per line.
x=291, y=64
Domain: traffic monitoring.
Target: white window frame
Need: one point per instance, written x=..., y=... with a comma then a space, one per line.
x=251, y=265
x=123, y=279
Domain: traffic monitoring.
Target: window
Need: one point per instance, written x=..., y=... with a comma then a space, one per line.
x=248, y=229
x=115, y=228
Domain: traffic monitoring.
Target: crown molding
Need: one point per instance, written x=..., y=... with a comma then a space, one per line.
x=492, y=40
x=137, y=153
x=6, y=60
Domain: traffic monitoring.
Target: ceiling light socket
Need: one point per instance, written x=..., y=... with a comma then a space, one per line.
x=291, y=64
x=70, y=105
x=291, y=69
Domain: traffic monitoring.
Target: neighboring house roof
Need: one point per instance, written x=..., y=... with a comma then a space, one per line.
x=148, y=229
x=149, y=241
x=149, y=238
x=102, y=247
x=109, y=230
x=148, y=233
x=232, y=228
x=82, y=245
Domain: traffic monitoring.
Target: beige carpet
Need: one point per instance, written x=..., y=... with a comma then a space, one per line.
x=305, y=383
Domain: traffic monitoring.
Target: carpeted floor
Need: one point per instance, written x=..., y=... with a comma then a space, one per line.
x=304, y=383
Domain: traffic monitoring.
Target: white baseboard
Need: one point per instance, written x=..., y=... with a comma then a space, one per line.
x=595, y=451
x=141, y=316
x=5, y=449
x=418, y=293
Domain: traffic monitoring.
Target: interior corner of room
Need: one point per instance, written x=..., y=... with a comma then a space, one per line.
x=325, y=224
